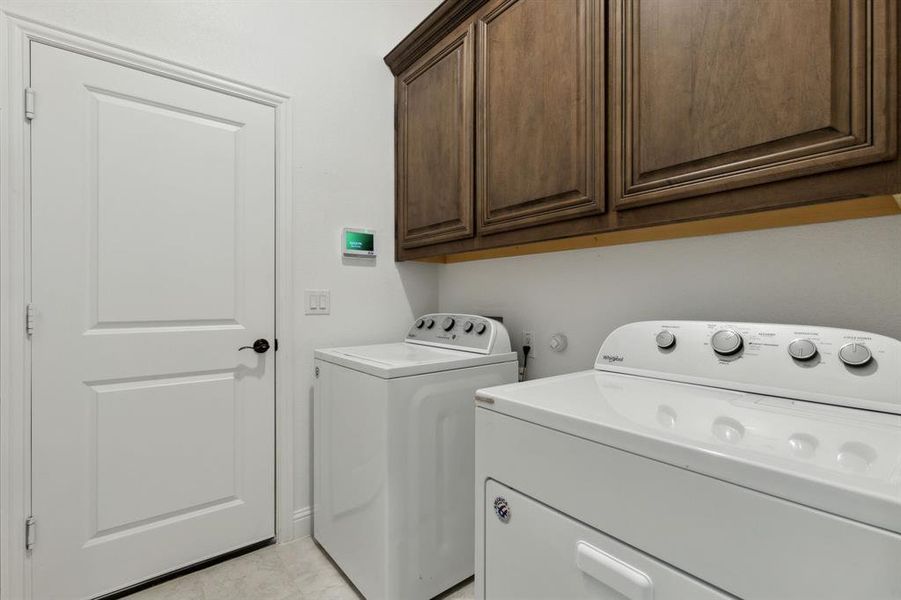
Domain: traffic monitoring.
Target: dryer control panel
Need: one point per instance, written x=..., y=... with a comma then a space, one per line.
x=820, y=364
x=472, y=333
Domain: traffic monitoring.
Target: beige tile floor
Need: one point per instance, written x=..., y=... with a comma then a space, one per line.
x=299, y=570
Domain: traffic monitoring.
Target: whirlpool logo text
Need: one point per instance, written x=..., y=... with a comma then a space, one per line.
x=612, y=358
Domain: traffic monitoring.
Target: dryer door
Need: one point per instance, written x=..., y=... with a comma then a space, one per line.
x=533, y=551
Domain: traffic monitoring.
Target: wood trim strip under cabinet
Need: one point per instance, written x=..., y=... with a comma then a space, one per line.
x=858, y=208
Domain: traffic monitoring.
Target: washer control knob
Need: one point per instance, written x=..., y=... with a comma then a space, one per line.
x=726, y=342
x=802, y=349
x=467, y=326
x=429, y=323
x=420, y=323
x=855, y=355
x=665, y=339
x=447, y=324
x=481, y=328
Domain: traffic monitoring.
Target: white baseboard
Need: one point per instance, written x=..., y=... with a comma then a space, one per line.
x=303, y=522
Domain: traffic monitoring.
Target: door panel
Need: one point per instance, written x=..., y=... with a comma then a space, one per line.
x=168, y=468
x=540, y=113
x=148, y=266
x=434, y=145
x=152, y=262
x=718, y=95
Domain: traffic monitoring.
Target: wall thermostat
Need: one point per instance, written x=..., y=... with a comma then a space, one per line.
x=358, y=242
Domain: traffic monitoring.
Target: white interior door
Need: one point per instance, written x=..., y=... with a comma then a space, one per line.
x=152, y=263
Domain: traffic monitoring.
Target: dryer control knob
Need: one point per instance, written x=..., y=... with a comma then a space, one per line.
x=665, y=339
x=726, y=342
x=447, y=324
x=429, y=323
x=802, y=349
x=467, y=326
x=419, y=323
x=855, y=355
x=480, y=328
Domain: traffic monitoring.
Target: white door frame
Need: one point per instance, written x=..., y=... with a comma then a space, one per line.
x=16, y=33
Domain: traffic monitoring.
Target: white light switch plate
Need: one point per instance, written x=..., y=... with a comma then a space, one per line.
x=317, y=302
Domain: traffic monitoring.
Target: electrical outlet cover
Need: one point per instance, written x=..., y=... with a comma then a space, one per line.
x=528, y=339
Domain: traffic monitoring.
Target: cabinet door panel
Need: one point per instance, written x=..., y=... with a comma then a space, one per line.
x=434, y=145
x=718, y=95
x=539, y=121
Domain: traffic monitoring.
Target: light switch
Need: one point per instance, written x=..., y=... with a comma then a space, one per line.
x=317, y=302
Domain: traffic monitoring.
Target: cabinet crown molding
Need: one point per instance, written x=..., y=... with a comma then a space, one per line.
x=441, y=21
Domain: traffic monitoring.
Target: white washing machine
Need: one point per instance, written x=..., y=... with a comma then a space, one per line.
x=697, y=460
x=393, y=448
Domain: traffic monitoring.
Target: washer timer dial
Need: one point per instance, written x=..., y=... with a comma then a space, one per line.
x=726, y=342
x=447, y=324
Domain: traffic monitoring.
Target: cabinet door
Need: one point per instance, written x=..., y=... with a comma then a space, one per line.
x=540, y=113
x=434, y=145
x=716, y=95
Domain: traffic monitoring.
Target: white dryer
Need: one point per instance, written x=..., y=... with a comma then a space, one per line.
x=393, y=448
x=697, y=460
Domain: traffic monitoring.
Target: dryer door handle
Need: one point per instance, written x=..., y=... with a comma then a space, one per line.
x=613, y=572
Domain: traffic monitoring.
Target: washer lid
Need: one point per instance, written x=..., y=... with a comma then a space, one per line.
x=842, y=460
x=402, y=359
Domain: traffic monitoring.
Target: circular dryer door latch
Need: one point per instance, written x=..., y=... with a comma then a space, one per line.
x=501, y=509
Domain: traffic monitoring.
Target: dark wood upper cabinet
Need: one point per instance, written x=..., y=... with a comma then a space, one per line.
x=434, y=144
x=524, y=121
x=539, y=113
x=717, y=95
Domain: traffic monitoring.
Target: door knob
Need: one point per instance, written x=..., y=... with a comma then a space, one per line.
x=259, y=346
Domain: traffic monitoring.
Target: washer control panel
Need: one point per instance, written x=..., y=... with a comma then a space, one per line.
x=822, y=364
x=472, y=333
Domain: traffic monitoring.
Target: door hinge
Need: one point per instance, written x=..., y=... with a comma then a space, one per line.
x=31, y=527
x=29, y=319
x=29, y=103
